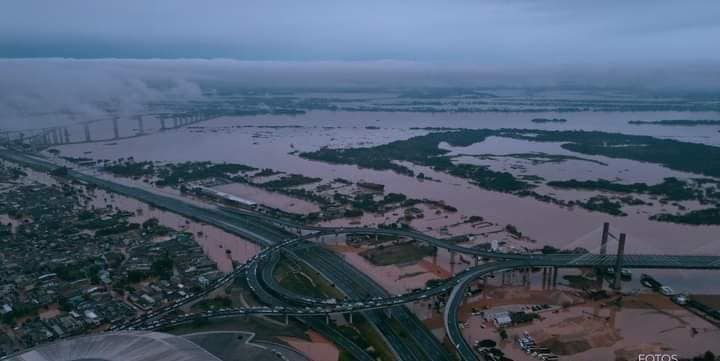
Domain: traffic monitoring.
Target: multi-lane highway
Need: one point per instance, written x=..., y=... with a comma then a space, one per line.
x=252, y=230
x=454, y=301
x=363, y=294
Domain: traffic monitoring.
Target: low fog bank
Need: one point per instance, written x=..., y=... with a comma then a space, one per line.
x=48, y=92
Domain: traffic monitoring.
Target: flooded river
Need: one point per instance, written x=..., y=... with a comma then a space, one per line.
x=237, y=140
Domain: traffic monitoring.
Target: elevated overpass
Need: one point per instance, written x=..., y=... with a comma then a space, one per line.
x=243, y=224
x=252, y=230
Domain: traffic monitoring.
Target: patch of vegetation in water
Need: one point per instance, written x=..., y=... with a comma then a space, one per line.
x=175, y=173
x=549, y=120
x=682, y=156
x=707, y=216
x=671, y=189
x=676, y=122
x=131, y=169
x=540, y=157
x=405, y=253
x=292, y=180
x=604, y=205
x=424, y=150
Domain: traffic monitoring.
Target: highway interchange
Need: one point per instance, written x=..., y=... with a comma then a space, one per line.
x=363, y=295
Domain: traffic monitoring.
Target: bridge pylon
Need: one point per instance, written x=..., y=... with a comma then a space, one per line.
x=619, y=262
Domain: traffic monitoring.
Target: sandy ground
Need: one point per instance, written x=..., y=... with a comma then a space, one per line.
x=395, y=279
x=595, y=331
x=318, y=349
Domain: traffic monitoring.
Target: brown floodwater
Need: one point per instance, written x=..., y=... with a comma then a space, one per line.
x=215, y=242
x=228, y=139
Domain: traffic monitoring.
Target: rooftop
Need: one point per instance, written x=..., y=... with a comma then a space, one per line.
x=119, y=346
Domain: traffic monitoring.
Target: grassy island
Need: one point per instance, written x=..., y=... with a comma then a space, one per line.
x=424, y=150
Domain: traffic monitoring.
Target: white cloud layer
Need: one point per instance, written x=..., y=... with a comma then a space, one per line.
x=41, y=92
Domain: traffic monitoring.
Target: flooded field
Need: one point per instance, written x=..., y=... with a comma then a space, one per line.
x=339, y=182
x=240, y=140
x=237, y=140
x=274, y=142
x=220, y=246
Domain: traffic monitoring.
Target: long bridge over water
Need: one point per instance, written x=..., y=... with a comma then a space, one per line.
x=93, y=131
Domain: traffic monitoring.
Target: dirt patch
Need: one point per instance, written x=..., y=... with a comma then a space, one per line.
x=318, y=348
x=405, y=253
x=631, y=353
x=578, y=334
x=710, y=300
x=567, y=347
x=434, y=269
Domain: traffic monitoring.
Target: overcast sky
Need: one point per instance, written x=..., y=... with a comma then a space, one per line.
x=106, y=48
x=461, y=31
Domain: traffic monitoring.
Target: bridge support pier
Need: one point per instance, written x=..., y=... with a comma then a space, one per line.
x=604, y=240
x=141, y=126
x=452, y=263
x=619, y=262
x=603, y=251
x=175, y=122
x=116, y=131
x=529, y=277
x=554, y=277
x=87, y=132
x=67, y=135
x=388, y=312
